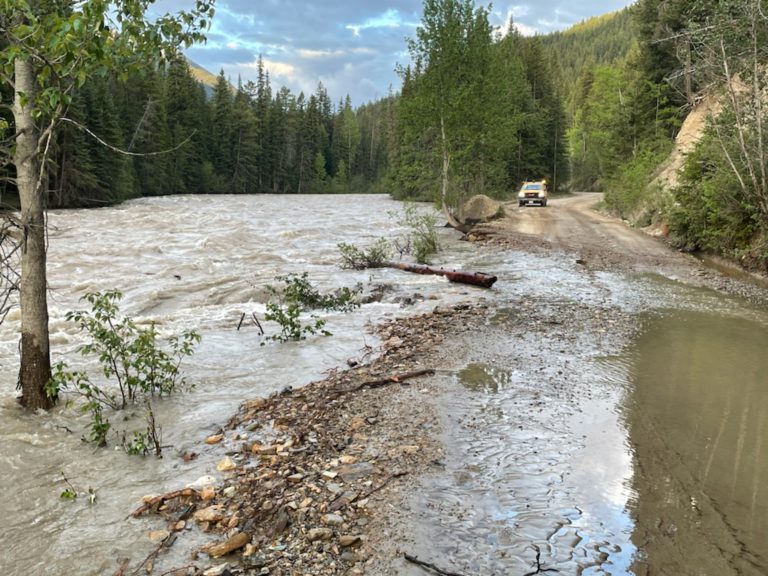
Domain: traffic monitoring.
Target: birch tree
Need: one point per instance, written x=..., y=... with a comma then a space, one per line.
x=48, y=48
x=451, y=53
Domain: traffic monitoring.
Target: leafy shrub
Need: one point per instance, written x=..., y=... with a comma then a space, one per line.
x=374, y=256
x=129, y=356
x=712, y=212
x=629, y=187
x=422, y=232
x=297, y=295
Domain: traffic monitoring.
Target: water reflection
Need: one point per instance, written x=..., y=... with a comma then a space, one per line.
x=696, y=420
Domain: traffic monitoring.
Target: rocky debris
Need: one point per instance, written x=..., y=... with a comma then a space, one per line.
x=307, y=470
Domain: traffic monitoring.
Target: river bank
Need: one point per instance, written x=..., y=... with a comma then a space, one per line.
x=386, y=468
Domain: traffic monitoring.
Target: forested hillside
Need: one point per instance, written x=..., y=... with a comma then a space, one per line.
x=627, y=113
x=598, y=41
x=161, y=132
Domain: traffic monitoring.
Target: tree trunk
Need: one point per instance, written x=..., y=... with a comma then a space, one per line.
x=459, y=276
x=452, y=221
x=35, y=362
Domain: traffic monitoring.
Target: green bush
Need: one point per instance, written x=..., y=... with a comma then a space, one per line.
x=629, y=187
x=422, y=232
x=297, y=295
x=355, y=258
x=129, y=356
x=710, y=210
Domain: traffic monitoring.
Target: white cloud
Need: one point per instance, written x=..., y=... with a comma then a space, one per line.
x=275, y=68
x=389, y=19
x=525, y=30
x=513, y=12
x=312, y=54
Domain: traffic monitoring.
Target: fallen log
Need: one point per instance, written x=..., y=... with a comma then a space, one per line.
x=459, y=276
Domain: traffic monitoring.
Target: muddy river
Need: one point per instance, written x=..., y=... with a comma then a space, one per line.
x=606, y=422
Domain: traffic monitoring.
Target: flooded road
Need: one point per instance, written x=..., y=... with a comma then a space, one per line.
x=696, y=415
x=605, y=422
x=609, y=418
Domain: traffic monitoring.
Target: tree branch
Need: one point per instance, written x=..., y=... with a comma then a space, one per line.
x=120, y=150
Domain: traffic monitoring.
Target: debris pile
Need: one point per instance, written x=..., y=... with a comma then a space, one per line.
x=305, y=469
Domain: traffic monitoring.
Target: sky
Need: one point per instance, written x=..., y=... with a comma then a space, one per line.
x=351, y=46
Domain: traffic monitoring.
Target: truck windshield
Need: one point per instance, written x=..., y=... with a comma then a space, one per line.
x=532, y=187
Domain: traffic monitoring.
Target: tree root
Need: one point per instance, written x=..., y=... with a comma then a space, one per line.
x=158, y=500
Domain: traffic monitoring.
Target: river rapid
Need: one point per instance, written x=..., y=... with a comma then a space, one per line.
x=182, y=262
x=601, y=423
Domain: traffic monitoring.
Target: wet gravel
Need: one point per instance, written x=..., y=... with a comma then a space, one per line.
x=311, y=474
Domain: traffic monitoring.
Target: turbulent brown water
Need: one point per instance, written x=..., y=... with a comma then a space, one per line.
x=568, y=439
x=183, y=262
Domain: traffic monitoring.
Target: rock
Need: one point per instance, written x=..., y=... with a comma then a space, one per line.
x=355, y=471
x=330, y=474
x=478, y=209
x=208, y=493
x=357, y=423
x=215, y=439
x=347, y=459
x=255, y=404
x=281, y=522
x=211, y=514
x=295, y=478
x=157, y=536
x=333, y=520
x=226, y=465
x=349, y=540
x=218, y=570
x=333, y=488
x=348, y=556
x=319, y=534
x=202, y=482
x=236, y=542
x=344, y=500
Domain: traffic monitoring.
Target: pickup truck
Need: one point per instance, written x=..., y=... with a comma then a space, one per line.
x=533, y=193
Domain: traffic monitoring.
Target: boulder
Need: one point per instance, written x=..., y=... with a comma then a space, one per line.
x=479, y=209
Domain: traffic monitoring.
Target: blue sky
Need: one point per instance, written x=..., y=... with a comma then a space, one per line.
x=352, y=47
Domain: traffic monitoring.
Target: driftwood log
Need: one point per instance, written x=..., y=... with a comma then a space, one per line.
x=474, y=278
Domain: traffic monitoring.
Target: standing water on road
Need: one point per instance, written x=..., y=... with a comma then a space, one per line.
x=696, y=416
x=578, y=445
